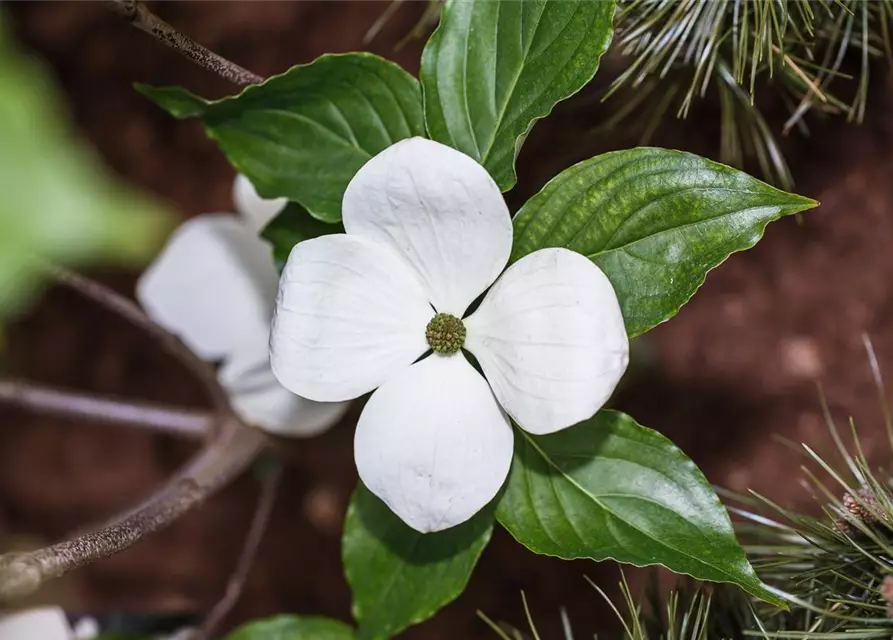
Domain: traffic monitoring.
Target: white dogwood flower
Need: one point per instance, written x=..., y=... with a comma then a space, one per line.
x=427, y=231
x=46, y=623
x=214, y=285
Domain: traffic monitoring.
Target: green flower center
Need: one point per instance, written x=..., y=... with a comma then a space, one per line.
x=445, y=334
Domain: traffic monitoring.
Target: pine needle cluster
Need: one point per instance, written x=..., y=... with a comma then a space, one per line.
x=814, y=56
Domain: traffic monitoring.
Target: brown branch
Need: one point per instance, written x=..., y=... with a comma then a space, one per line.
x=236, y=584
x=234, y=448
x=169, y=342
x=67, y=404
x=140, y=17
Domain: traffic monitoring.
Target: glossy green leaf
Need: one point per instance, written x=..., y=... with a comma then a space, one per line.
x=610, y=488
x=655, y=221
x=399, y=576
x=304, y=134
x=293, y=225
x=58, y=203
x=293, y=628
x=494, y=67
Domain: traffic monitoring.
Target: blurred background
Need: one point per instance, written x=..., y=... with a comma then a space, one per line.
x=737, y=367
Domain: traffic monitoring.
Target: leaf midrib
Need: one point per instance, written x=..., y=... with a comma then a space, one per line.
x=779, y=212
x=497, y=123
x=387, y=590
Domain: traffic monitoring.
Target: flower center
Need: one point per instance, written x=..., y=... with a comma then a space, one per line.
x=445, y=334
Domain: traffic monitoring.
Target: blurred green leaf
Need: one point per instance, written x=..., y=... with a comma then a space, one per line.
x=399, y=576
x=655, y=221
x=492, y=68
x=58, y=204
x=610, y=488
x=293, y=628
x=304, y=134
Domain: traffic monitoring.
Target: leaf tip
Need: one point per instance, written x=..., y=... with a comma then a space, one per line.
x=808, y=203
x=177, y=101
x=767, y=594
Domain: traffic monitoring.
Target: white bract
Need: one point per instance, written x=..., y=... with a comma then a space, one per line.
x=214, y=285
x=427, y=231
x=45, y=623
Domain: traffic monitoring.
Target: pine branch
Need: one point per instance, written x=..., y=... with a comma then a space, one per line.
x=67, y=404
x=140, y=17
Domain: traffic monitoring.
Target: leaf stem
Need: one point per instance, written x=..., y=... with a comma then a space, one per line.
x=233, y=449
x=180, y=422
x=139, y=16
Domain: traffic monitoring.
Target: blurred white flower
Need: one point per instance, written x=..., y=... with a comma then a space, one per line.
x=427, y=232
x=214, y=285
x=257, y=212
x=45, y=623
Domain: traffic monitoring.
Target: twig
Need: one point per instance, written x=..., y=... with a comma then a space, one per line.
x=140, y=17
x=269, y=486
x=67, y=404
x=234, y=448
x=382, y=20
x=231, y=450
x=169, y=342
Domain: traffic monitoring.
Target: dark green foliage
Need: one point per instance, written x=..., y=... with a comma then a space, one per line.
x=288, y=627
x=655, y=221
x=303, y=134
x=398, y=576
x=611, y=488
x=492, y=69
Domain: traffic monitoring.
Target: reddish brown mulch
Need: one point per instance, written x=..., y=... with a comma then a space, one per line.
x=736, y=366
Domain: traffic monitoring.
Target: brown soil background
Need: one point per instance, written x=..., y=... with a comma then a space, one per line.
x=737, y=365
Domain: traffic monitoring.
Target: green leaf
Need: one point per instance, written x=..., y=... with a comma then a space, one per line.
x=655, y=221
x=58, y=203
x=610, y=488
x=177, y=101
x=304, y=134
x=398, y=576
x=293, y=628
x=492, y=68
x=293, y=225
